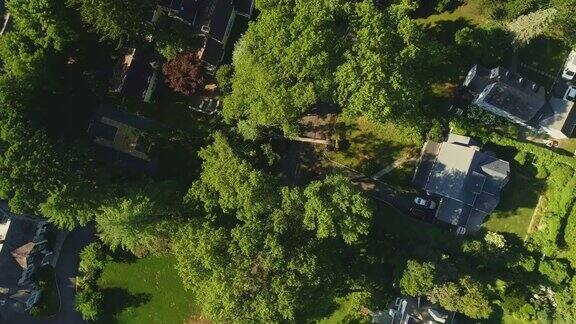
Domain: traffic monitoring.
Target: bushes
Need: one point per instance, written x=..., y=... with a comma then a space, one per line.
x=418, y=278
x=89, y=303
x=570, y=236
x=436, y=132
x=560, y=198
x=555, y=270
x=88, y=296
x=446, y=5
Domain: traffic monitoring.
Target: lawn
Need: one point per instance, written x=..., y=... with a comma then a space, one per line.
x=519, y=200
x=369, y=147
x=467, y=12
x=145, y=291
x=568, y=145
x=342, y=314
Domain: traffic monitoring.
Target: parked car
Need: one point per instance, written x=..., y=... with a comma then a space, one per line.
x=570, y=67
x=425, y=202
x=205, y=105
x=570, y=94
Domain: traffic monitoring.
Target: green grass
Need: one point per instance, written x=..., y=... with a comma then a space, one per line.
x=519, y=200
x=147, y=290
x=372, y=146
x=522, y=193
x=568, y=145
x=341, y=314
x=467, y=12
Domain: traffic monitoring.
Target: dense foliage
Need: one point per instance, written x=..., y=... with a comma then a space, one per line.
x=88, y=297
x=255, y=256
x=250, y=245
x=184, y=74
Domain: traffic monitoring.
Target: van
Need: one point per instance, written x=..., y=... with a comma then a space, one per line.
x=570, y=66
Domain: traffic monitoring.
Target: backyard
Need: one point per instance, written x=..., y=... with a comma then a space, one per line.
x=144, y=291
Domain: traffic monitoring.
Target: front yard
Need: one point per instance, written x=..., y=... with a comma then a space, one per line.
x=369, y=147
x=145, y=291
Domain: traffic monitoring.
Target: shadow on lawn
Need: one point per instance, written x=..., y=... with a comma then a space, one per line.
x=117, y=300
x=369, y=152
x=525, y=187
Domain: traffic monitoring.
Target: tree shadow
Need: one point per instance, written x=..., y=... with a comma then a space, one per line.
x=433, y=7
x=117, y=300
x=122, y=256
x=523, y=174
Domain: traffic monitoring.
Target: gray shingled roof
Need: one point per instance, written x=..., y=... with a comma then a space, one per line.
x=507, y=91
x=467, y=180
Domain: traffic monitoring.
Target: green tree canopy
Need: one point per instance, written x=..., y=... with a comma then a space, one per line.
x=115, y=20
x=384, y=71
x=284, y=63
x=250, y=257
x=418, y=278
x=465, y=296
x=336, y=207
x=140, y=220
x=43, y=22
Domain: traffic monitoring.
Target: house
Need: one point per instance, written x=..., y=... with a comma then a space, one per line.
x=408, y=310
x=23, y=250
x=466, y=181
x=122, y=138
x=212, y=20
x=558, y=118
x=508, y=94
x=136, y=74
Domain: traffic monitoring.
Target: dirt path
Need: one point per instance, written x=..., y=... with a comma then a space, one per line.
x=536, y=217
x=397, y=164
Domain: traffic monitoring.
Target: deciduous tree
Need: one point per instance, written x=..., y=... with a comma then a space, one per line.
x=418, y=278
x=141, y=219
x=116, y=20
x=185, y=74
x=335, y=207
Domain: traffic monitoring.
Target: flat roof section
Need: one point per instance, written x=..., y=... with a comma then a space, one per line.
x=450, y=170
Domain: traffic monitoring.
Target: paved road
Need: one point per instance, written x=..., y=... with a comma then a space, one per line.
x=66, y=271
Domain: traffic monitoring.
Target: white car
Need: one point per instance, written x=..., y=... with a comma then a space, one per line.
x=570, y=67
x=425, y=203
x=570, y=94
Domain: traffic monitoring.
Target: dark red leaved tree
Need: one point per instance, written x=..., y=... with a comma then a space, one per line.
x=184, y=74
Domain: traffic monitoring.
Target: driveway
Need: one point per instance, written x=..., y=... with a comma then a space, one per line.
x=66, y=271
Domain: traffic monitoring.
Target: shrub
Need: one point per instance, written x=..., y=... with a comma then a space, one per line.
x=224, y=76
x=436, y=132
x=554, y=270
x=446, y=5
x=89, y=304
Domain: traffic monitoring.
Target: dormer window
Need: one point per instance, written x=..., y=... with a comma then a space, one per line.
x=521, y=80
x=493, y=73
